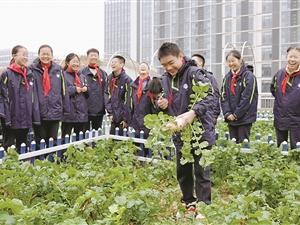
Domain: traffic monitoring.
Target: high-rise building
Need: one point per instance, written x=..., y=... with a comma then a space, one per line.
x=128, y=29
x=261, y=29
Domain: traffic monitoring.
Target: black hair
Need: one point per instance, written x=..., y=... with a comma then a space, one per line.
x=92, y=50
x=201, y=57
x=235, y=53
x=121, y=58
x=45, y=46
x=250, y=68
x=15, y=51
x=168, y=48
x=292, y=48
x=69, y=57
x=155, y=86
x=145, y=64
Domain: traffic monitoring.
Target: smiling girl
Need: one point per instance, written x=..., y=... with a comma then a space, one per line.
x=78, y=92
x=239, y=97
x=20, y=105
x=285, y=88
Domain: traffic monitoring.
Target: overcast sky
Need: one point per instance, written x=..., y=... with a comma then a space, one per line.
x=66, y=25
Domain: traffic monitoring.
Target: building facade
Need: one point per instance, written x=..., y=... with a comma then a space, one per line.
x=261, y=29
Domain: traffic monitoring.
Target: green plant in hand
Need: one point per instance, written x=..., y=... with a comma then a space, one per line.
x=163, y=127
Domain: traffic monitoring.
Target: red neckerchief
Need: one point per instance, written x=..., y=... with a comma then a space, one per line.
x=77, y=80
x=233, y=81
x=46, y=78
x=23, y=72
x=96, y=67
x=151, y=96
x=139, y=91
x=286, y=78
x=113, y=82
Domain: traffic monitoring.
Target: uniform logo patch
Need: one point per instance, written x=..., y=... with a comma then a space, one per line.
x=31, y=83
x=121, y=87
x=185, y=86
x=57, y=75
x=299, y=85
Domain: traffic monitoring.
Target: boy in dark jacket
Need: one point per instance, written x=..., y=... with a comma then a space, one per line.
x=118, y=92
x=96, y=79
x=200, y=61
x=177, y=84
x=52, y=95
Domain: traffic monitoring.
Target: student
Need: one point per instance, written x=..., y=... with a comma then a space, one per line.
x=96, y=81
x=52, y=95
x=141, y=102
x=78, y=92
x=200, y=61
x=177, y=84
x=155, y=92
x=239, y=97
x=118, y=92
x=285, y=88
x=19, y=99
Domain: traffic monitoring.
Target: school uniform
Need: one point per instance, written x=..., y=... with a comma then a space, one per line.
x=53, y=99
x=118, y=100
x=78, y=116
x=239, y=97
x=178, y=90
x=216, y=95
x=20, y=105
x=286, y=90
x=142, y=104
x=96, y=79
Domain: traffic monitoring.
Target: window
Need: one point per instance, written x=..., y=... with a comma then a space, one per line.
x=267, y=38
x=266, y=7
x=228, y=25
x=267, y=21
x=267, y=103
x=228, y=10
x=228, y=38
x=266, y=53
x=266, y=70
x=200, y=13
x=265, y=86
x=200, y=42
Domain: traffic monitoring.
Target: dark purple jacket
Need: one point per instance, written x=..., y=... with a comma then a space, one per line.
x=96, y=101
x=216, y=93
x=20, y=105
x=180, y=88
x=118, y=102
x=286, y=107
x=78, y=101
x=244, y=103
x=56, y=103
x=140, y=108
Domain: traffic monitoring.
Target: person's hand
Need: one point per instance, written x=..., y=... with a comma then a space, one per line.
x=172, y=126
x=162, y=103
x=84, y=89
x=187, y=116
x=124, y=124
x=181, y=122
x=78, y=89
x=231, y=117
